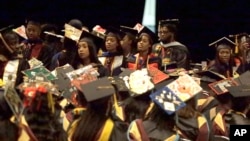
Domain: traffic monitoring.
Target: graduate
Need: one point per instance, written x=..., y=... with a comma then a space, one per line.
x=144, y=57
x=87, y=53
x=224, y=62
x=113, y=59
x=97, y=122
x=173, y=53
x=128, y=42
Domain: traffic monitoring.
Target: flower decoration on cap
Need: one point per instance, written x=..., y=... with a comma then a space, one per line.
x=139, y=82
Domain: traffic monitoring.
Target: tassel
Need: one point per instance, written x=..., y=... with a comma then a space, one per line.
x=236, y=50
x=50, y=102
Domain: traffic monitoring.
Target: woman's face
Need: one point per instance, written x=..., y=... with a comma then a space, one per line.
x=33, y=31
x=111, y=44
x=224, y=55
x=83, y=50
x=143, y=44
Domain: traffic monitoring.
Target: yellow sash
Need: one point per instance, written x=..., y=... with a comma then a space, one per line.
x=107, y=130
x=118, y=109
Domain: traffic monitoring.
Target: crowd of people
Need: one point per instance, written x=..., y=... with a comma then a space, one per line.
x=124, y=73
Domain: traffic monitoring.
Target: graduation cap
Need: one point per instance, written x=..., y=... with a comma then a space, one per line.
x=244, y=78
x=76, y=23
x=185, y=87
x=98, y=89
x=167, y=100
x=113, y=31
x=9, y=27
x=129, y=30
x=99, y=31
x=169, y=21
x=223, y=41
x=148, y=32
x=220, y=87
x=98, y=41
x=209, y=76
x=239, y=91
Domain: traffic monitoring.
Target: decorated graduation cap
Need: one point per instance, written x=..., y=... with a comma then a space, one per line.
x=167, y=100
x=185, y=87
x=98, y=89
x=99, y=31
x=222, y=43
x=220, y=87
x=146, y=31
x=129, y=30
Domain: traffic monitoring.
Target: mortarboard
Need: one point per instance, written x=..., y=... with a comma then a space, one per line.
x=99, y=31
x=72, y=33
x=209, y=76
x=185, y=87
x=129, y=30
x=119, y=83
x=239, y=91
x=98, y=41
x=220, y=87
x=76, y=23
x=150, y=33
x=244, y=78
x=98, y=89
x=169, y=21
x=113, y=31
x=4, y=29
x=167, y=100
x=222, y=41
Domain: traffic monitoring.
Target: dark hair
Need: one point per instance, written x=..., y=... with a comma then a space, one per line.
x=93, y=120
x=240, y=103
x=92, y=52
x=136, y=107
x=9, y=131
x=172, y=28
x=161, y=118
x=118, y=39
x=149, y=38
x=44, y=124
x=222, y=67
x=189, y=111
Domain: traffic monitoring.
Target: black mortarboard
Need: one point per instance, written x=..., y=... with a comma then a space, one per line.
x=149, y=32
x=209, y=76
x=163, y=83
x=169, y=21
x=239, y=91
x=98, y=41
x=110, y=30
x=129, y=30
x=76, y=23
x=244, y=78
x=7, y=28
x=98, y=89
x=223, y=41
x=242, y=37
x=119, y=83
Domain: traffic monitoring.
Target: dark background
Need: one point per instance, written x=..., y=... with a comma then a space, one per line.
x=201, y=21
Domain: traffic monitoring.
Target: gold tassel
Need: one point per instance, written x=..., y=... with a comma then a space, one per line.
x=236, y=50
x=50, y=102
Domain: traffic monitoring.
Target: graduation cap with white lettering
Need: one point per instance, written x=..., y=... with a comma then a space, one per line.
x=98, y=89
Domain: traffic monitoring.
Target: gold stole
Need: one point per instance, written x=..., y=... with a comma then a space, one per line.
x=107, y=130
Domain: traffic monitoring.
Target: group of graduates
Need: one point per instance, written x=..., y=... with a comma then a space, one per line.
x=134, y=67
